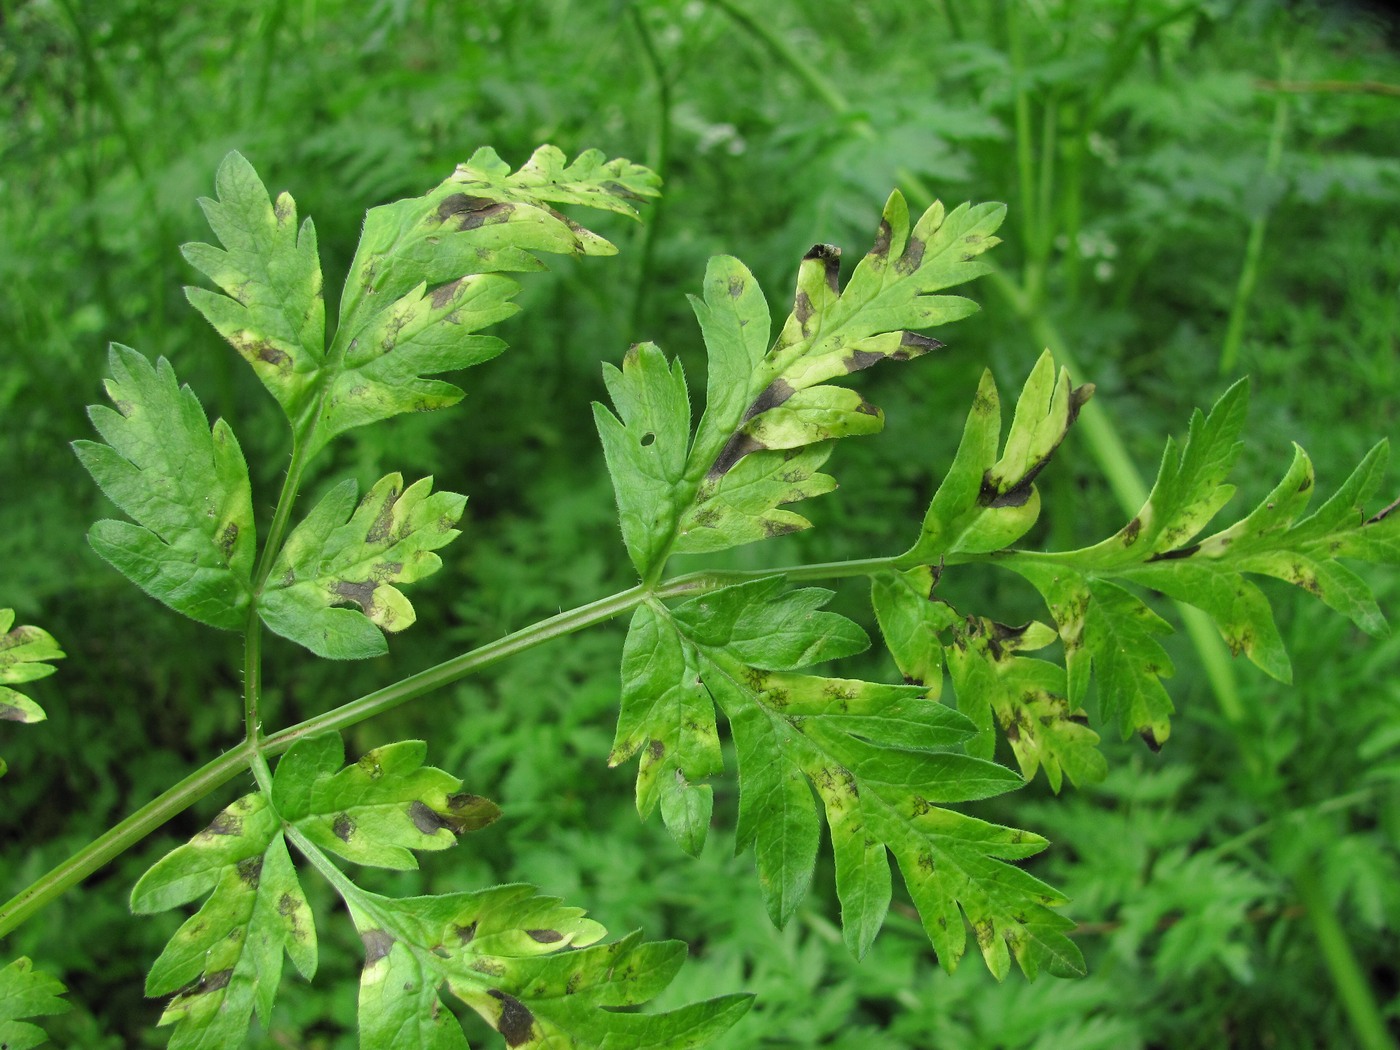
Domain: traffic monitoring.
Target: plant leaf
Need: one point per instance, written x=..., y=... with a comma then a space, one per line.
x=374, y=811
x=772, y=406
x=328, y=563
x=879, y=758
x=27, y=992
x=1026, y=698
x=986, y=502
x=645, y=448
x=423, y=279
x=912, y=620
x=272, y=311
x=224, y=963
x=502, y=952
x=1105, y=627
x=193, y=543
x=24, y=655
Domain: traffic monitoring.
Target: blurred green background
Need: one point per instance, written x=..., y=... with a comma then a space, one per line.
x=1199, y=189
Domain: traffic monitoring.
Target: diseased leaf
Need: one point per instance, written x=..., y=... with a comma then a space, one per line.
x=374, y=811
x=878, y=757
x=25, y=653
x=986, y=502
x=1107, y=628
x=423, y=279
x=646, y=448
x=1026, y=698
x=272, y=311
x=666, y=714
x=187, y=489
x=504, y=952
x=328, y=564
x=27, y=992
x=225, y=962
x=912, y=620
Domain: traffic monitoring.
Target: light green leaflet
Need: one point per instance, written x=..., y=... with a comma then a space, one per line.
x=225, y=962
x=26, y=992
x=529, y=966
x=986, y=502
x=329, y=562
x=770, y=415
x=423, y=282
x=882, y=758
x=24, y=655
x=494, y=949
x=186, y=487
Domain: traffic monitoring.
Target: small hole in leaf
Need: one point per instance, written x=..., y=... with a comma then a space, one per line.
x=647, y=439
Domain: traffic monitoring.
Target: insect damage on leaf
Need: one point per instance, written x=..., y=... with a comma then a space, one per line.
x=333, y=587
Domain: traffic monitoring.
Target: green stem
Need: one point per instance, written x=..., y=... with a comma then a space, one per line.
x=1254, y=248
x=788, y=55
x=286, y=500
x=1354, y=990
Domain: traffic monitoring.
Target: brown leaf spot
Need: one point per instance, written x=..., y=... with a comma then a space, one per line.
x=212, y=982
x=250, y=870
x=773, y=395
x=881, y=247
x=802, y=309
x=912, y=344
x=284, y=209
x=1180, y=552
x=343, y=827
x=467, y=212
x=859, y=359
x=225, y=823
x=227, y=538
x=1150, y=739
x=736, y=287
x=465, y=934
x=1131, y=531
x=264, y=351
x=517, y=1023
x=912, y=258
x=656, y=750
x=377, y=945
x=830, y=257
x=738, y=446
x=546, y=936
x=779, y=528
x=384, y=520
x=361, y=594
x=444, y=293
x=426, y=819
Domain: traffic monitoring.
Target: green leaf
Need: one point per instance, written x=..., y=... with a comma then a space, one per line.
x=878, y=757
x=224, y=963
x=646, y=448
x=666, y=710
x=912, y=620
x=24, y=655
x=272, y=311
x=193, y=543
x=503, y=952
x=376, y=810
x=986, y=502
x=423, y=278
x=328, y=563
x=1026, y=698
x=26, y=992
x=1107, y=628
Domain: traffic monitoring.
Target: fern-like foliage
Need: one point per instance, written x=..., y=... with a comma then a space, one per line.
x=26, y=993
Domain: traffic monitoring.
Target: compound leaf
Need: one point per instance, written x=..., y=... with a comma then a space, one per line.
x=27, y=992
x=880, y=758
x=272, y=311
x=503, y=952
x=224, y=963
x=912, y=620
x=186, y=487
x=424, y=277
x=329, y=563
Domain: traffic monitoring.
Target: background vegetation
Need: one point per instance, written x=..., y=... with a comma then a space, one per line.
x=1199, y=189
